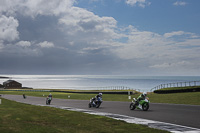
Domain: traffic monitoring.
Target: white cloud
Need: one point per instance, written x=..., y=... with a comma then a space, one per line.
x=8, y=6
x=179, y=3
x=141, y=3
x=175, y=33
x=142, y=44
x=160, y=51
x=46, y=44
x=35, y=7
x=89, y=27
x=181, y=33
x=24, y=44
x=85, y=20
x=8, y=28
x=54, y=7
x=74, y=20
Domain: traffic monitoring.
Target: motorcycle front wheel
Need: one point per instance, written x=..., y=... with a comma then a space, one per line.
x=132, y=106
x=98, y=104
x=145, y=106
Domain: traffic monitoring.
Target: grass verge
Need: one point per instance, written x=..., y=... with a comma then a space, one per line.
x=22, y=118
x=180, y=88
x=190, y=98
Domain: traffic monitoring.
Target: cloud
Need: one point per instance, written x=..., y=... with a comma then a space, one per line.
x=46, y=44
x=24, y=44
x=141, y=3
x=35, y=7
x=81, y=20
x=139, y=44
x=179, y=3
x=179, y=33
x=160, y=51
x=65, y=38
x=8, y=28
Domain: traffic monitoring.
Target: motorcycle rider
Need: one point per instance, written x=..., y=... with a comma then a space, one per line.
x=96, y=97
x=24, y=96
x=141, y=97
x=49, y=98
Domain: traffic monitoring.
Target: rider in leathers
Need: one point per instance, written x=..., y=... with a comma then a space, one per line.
x=141, y=97
x=96, y=97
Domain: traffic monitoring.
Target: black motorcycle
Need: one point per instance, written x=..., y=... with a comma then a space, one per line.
x=97, y=102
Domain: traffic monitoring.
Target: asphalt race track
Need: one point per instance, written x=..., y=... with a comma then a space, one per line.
x=185, y=115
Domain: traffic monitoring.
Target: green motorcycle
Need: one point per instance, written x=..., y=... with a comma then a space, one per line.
x=142, y=105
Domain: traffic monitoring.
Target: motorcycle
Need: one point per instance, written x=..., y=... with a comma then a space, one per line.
x=96, y=102
x=24, y=96
x=48, y=100
x=143, y=104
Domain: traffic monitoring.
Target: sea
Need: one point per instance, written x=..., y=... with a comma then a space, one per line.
x=96, y=82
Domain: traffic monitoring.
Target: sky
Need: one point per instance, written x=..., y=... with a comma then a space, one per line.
x=100, y=37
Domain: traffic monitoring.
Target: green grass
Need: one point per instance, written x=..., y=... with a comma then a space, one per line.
x=191, y=98
x=181, y=88
x=23, y=118
x=106, y=97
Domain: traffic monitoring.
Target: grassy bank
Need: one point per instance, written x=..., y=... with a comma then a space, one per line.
x=191, y=98
x=181, y=88
x=22, y=118
x=178, y=90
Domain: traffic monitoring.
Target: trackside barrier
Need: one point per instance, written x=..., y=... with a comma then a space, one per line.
x=177, y=84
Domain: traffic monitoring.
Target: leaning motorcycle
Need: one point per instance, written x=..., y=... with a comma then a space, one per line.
x=143, y=104
x=96, y=102
x=48, y=100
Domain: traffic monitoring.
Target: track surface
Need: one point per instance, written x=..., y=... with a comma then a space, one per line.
x=186, y=115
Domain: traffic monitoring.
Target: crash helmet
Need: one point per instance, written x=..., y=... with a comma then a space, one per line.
x=100, y=94
x=145, y=94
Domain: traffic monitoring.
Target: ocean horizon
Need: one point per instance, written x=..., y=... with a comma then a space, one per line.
x=97, y=82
